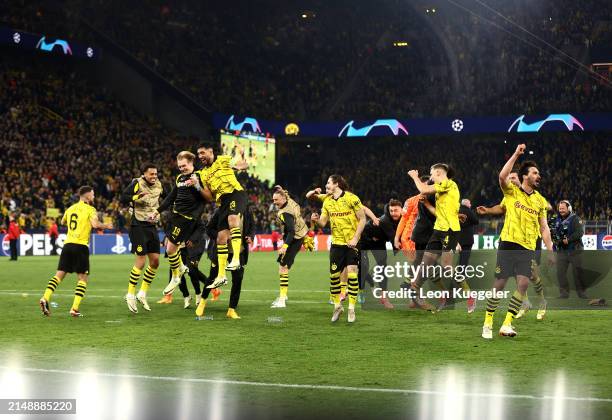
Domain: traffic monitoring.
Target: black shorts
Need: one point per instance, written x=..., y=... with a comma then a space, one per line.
x=144, y=239
x=288, y=257
x=234, y=203
x=538, y=251
x=74, y=259
x=442, y=241
x=341, y=256
x=179, y=228
x=513, y=260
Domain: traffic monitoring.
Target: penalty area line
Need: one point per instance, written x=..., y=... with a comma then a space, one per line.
x=303, y=386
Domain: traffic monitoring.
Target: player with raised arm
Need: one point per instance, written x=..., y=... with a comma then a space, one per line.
x=347, y=219
x=500, y=210
x=443, y=240
x=289, y=215
x=525, y=215
x=80, y=218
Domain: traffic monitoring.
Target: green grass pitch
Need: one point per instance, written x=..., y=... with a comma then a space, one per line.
x=403, y=351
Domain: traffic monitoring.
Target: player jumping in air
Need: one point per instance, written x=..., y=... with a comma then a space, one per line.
x=80, y=218
x=219, y=177
x=187, y=200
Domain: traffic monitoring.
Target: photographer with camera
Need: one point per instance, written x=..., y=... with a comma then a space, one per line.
x=567, y=231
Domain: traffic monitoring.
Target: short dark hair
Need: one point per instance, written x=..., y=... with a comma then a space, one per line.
x=395, y=202
x=524, y=168
x=450, y=172
x=85, y=189
x=424, y=178
x=212, y=146
x=148, y=165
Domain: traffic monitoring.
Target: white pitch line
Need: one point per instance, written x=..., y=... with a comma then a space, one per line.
x=308, y=302
x=242, y=290
x=308, y=386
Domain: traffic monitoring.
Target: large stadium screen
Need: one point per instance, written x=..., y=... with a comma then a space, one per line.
x=257, y=150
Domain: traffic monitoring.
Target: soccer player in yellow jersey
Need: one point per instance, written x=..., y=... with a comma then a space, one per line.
x=317, y=196
x=443, y=240
x=219, y=177
x=80, y=218
x=525, y=217
x=500, y=210
x=347, y=219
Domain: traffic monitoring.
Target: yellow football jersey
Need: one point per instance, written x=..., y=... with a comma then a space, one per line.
x=342, y=214
x=523, y=214
x=447, y=206
x=78, y=219
x=220, y=177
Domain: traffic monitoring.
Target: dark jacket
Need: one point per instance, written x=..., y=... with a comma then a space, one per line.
x=376, y=237
x=466, y=236
x=572, y=228
x=423, y=226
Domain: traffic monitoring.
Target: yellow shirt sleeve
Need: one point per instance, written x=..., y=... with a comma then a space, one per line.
x=355, y=203
x=324, y=210
x=442, y=187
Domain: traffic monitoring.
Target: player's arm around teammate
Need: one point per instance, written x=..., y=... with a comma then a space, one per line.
x=143, y=195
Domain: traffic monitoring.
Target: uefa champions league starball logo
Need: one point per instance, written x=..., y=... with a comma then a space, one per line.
x=457, y=125
x=17, y=37
x=89, y=52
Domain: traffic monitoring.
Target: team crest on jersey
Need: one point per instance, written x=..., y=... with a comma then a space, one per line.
x=139, y=248
x=497, y=269
x=334, y=267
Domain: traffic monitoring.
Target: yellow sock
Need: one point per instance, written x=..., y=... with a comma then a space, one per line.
x=465, y=286
x=489, y=318
x=236, y=241
x=513, y=307
x=53, y=283
x=201, y=307
x=343, y=288
x=147, y=279
x=79, y=293
x=353, y=289
x=334, y=288
x=222, y=259
x=134, y=277
x=175, y=263
x=284, y=284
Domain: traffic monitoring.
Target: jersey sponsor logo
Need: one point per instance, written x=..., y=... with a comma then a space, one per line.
x=522, y=127
x=389, y=124
x=523, y=207
x=340, y=213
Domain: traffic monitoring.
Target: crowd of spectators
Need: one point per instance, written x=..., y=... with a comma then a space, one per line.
x=337, y=59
